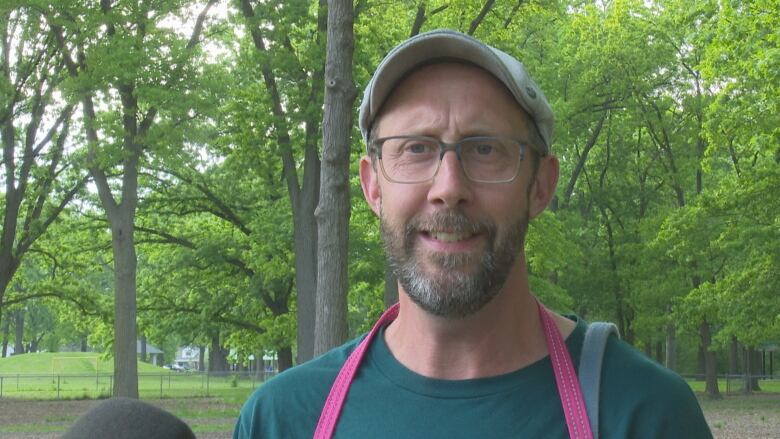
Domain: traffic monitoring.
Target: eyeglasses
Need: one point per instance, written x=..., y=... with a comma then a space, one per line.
x=417, y=159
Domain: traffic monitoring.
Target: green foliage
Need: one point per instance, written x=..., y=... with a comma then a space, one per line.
x=667, y=134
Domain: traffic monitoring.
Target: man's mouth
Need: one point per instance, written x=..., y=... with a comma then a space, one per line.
x=449, y=236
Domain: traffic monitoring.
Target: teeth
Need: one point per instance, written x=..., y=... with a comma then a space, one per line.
x=448, y=237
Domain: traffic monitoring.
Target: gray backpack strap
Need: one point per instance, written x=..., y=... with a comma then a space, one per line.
x=590, y=368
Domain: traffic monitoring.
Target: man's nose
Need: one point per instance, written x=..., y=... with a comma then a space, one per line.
x=450, y=186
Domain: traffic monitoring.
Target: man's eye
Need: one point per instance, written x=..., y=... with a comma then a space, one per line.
x=417, y=148
x=484, y=149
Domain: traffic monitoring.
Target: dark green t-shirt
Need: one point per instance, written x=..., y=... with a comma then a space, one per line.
x=639, y=399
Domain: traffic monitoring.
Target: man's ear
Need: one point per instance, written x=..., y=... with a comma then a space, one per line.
x=544, y=185
x=369, y=180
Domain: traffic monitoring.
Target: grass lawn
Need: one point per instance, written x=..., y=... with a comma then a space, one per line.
x=209, y=418
x=31, y=384
x=44, y=393
x=52, y=363
x=769, y=386
x=78, y=375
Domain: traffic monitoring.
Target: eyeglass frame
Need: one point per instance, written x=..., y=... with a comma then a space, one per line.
x=376, y=145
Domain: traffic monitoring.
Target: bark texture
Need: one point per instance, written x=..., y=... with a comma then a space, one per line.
x=333, y=210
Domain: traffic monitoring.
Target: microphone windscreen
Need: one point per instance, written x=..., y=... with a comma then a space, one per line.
x=127, y=418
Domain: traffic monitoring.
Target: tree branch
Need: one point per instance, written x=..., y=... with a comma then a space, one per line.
x=477, y=21
x=198, y=29
x=223, y=210
x=168, y=238
x=582, y=159
x=280, y=128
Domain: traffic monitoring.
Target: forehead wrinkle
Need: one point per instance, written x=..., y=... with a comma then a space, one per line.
x=421, y=121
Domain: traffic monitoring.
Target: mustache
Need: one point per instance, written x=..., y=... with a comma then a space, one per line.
x=449, y=221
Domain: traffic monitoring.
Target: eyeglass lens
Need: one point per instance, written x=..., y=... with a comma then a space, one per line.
x=484, y=159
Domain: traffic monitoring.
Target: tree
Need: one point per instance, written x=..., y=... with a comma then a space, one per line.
x=664, y=222
x=218, y=251
x=39, y=177
x=333, y=210
x=120, y=61
x=282, y=37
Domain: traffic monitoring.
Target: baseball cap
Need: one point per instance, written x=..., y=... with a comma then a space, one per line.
x=450, y=45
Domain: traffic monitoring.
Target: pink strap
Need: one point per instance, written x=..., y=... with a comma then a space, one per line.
x=568, y=384
x=338, y=393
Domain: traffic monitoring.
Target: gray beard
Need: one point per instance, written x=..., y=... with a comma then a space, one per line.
x=450, y=292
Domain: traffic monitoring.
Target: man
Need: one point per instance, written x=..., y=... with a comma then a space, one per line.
x=458, y=162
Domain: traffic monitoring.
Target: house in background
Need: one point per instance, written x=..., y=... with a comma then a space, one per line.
x=188, y=357
x=154, y=355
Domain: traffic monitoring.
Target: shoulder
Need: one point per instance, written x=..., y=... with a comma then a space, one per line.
x=643, y=399
x=289, y=404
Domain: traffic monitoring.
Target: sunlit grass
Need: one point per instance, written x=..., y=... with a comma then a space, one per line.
x=52, y=363
x=735, y=385
x=81, y=375
x=32, y=428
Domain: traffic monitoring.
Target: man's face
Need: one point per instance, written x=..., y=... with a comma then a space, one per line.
x=452, y=243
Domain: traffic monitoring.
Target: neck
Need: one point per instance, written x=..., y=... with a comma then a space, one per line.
x=503, y=336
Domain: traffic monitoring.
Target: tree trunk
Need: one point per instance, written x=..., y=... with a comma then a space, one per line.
x=121, y=218
x=217, y=356
x=710, y=363
x=6, y=273
x=733, y=356
x=752, y=370
x=757, y=370
x=671, y=347
x=19, y=326
x=35, y=343
x=746, y=387
x=6, y=331
x=284, y=358
x=83, y=347
x=201, y=358
x=700, y=360
x=333, y=210
x=305, y=234
x=659, y=352
x=143, y=348
x=125, y=262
